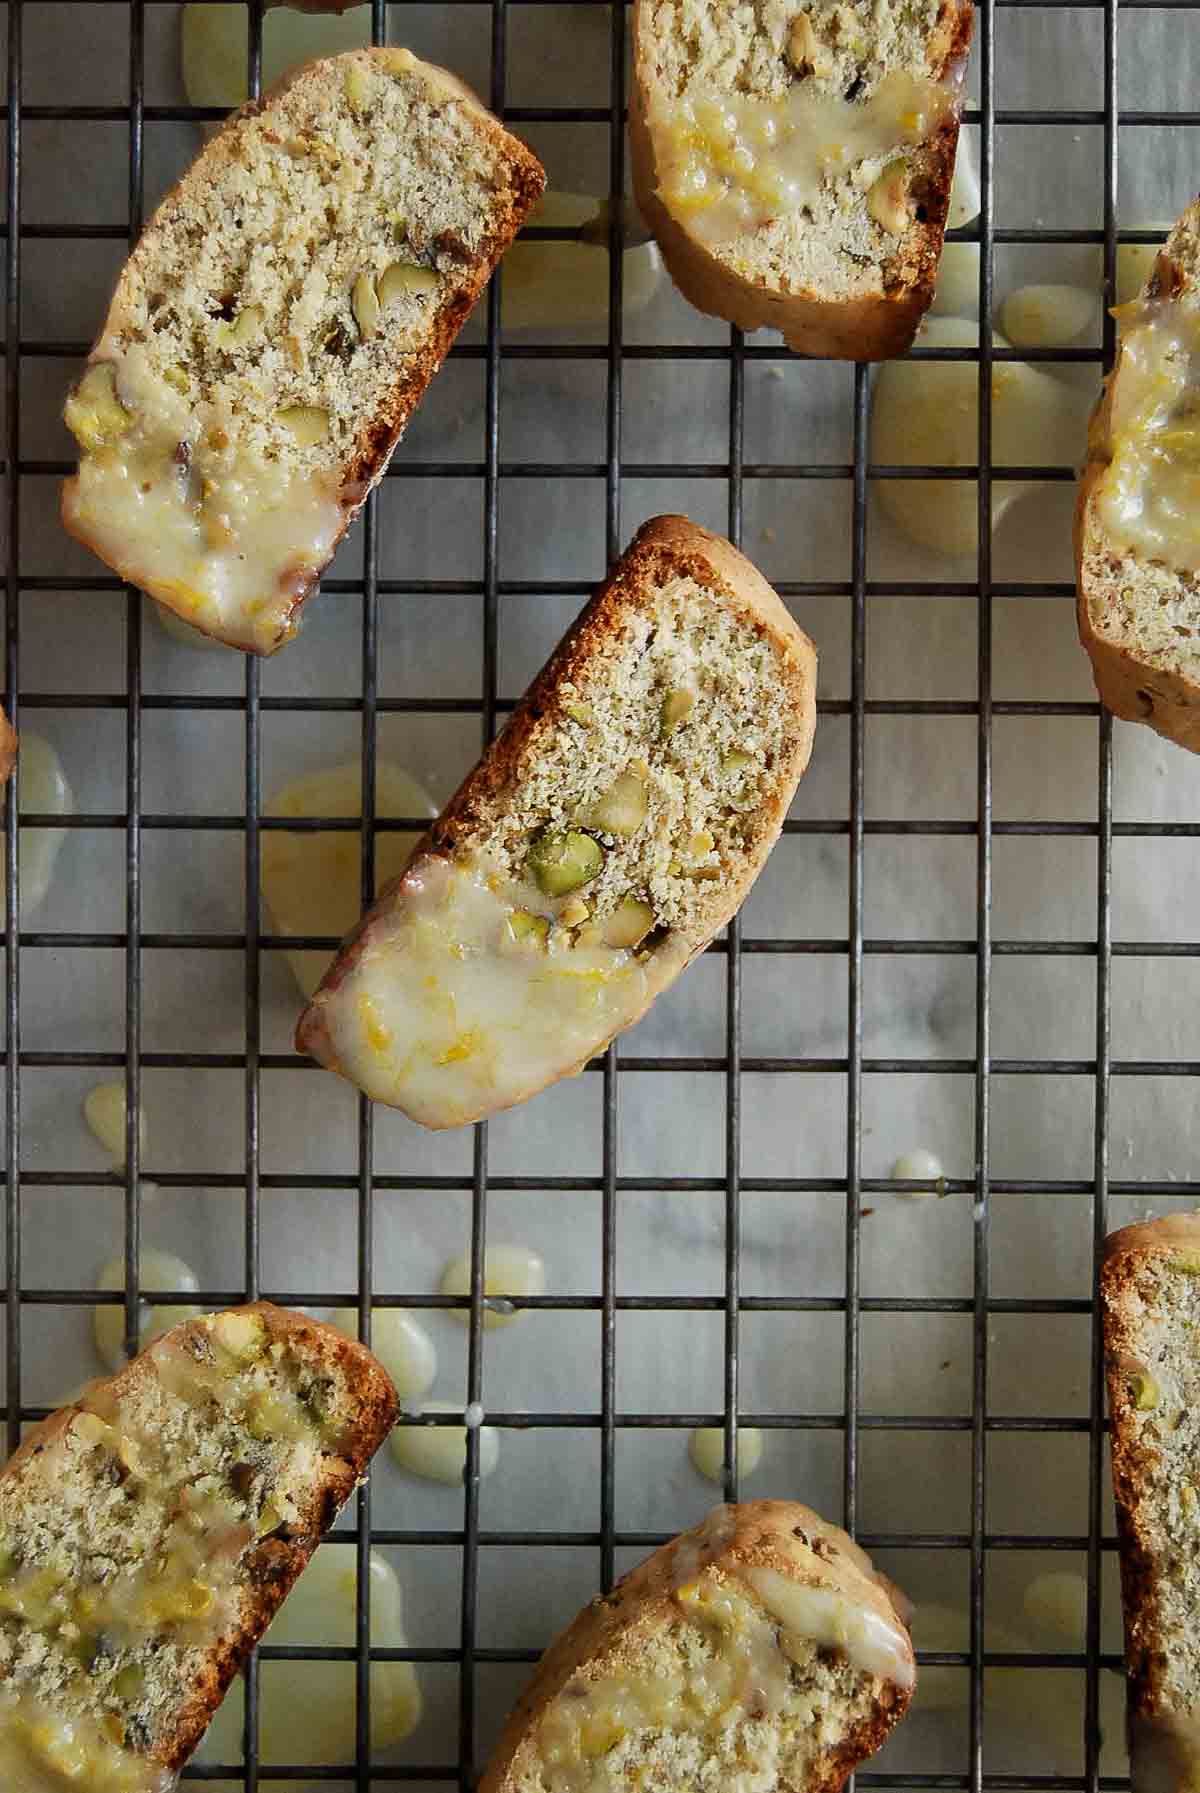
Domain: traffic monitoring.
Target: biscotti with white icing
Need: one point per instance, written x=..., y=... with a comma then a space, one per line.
x=149, y=1533
x=795, y=161
x=1137, y=519
x=275, y=328
x=760, y=1650
x=1150, y=1307
x=611, y=830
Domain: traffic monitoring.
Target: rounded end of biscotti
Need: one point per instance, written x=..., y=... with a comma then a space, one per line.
x=1171, y=1234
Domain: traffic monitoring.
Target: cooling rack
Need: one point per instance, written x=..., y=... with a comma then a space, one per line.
x=621, y=362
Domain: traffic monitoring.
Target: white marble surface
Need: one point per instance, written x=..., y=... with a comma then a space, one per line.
x=919, y=887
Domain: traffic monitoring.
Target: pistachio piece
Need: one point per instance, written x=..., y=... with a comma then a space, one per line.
x=736, y=762
x=806, y=53
x=700, y=844
x=356, y=85
x=560, y=860
x=887, y=201
x=241, y=1336
x=1143, y=1389
x=524, y=925
x=93, y=413
x=628, y=925
x=574, y=911
x=244, y=329
x=364, y=302
x=622, y=809
x=580, y=713
x=175, y=377
x=307, y=423
x=269, y=1520
x=405, y=277
x=130, y=1682
x=676, y=706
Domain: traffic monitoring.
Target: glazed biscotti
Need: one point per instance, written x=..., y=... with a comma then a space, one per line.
x=614, y=826
x=148, y=1535
x=275, y=328
x=1150, y=1296
x=759, y=1651
x=794, y=161
x=1137, y=517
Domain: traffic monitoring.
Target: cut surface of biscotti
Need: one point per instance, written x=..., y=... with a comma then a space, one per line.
x=794, y=161
x=759, y=1651
x=276, y=326
x=149, y=1533
x=1137, y=517
x=613, y=827
x=1150, y=1295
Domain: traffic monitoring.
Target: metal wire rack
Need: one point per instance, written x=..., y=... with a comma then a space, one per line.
x=851, y=1187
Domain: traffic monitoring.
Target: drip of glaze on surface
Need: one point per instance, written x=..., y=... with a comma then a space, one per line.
x=729, y=163
x=1149, y=495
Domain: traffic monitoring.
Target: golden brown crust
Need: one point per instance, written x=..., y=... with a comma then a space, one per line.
x=872, y=328
x=1132, y=687
x=273, y=1564
x=8, y=748
x=665, y=547
x=609, y=1635
x=1125, y=1254
x=374, y=448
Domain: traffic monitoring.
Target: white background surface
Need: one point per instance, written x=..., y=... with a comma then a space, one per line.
x=921, y=766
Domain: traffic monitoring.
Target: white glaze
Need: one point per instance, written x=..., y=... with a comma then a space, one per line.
x=159, y=1270
x=706, y=1448
x=727, y=164
x=307, y=1709
x=918, y=1166
x=1148, y=497
x=401, y=1344
x=564, y=286
x=41, y=788
x=507, y=1270
x=834, y=1619
x=42, y=1752
x=229, y=542
x=1050, y=316
x=447, y=1016
x=104, y=1111
x=312, y=883
x=439, y=1453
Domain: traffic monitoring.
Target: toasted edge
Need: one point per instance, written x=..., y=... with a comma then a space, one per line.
x=664, y=547
x=272, y=1565
x=1140, y=1571
x=1135, y=689
x=377, y=443
x=8, y=749
x=871, y=328
x=609, y=1633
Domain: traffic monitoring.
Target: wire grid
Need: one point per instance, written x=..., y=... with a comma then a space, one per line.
x=854, y=1066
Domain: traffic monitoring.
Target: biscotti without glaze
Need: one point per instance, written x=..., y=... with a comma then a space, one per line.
x=614, y=826
x=759, y=1651
x=275, y=328
x=1150, y=1303
x=794, y=162
x=1137, y=516
x=149, y=1533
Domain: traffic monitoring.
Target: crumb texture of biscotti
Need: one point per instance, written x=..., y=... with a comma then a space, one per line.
x=795, y=161
x=1150, y=1295
x=759, y=1651
x=276, y=326
x=1139, y=600
x=610, y=831
x=149, y=1533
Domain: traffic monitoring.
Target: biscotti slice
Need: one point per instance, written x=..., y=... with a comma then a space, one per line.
x=795, y=162
x=759, y=1651
x=1137, y=516
x=149, y=1533
x=275, y=328
x=1150, y=1298
x=614, y=826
